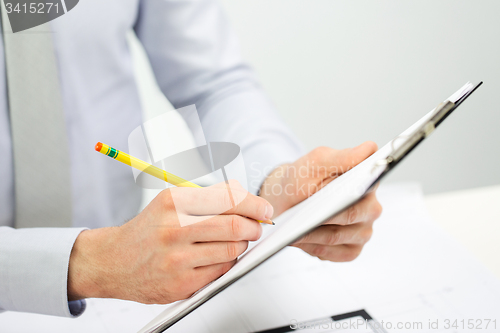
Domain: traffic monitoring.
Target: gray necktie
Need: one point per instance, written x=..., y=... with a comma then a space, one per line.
x=39, y=139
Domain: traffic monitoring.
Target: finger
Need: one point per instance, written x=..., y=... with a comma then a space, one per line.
x=224, y=228
x=337, y=253
x=206, y=274
x=217, y=252
x=368, y=209
x=348, y=158
x=199, y=277
x=221, y=199
x=332, y=235
x=339, y=161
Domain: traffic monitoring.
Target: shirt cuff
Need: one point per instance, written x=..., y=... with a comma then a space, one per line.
x=34, y=270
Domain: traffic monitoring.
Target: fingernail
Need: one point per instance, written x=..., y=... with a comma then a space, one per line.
x=269, y=212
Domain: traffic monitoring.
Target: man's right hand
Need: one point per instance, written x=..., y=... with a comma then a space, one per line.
x=153, y=259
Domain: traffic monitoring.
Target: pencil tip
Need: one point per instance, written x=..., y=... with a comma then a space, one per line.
x=273, y=223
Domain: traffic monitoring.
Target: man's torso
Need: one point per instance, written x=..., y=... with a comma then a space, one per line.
x=101, y=103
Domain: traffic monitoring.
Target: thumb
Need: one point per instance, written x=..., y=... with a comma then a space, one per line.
x=350, y=157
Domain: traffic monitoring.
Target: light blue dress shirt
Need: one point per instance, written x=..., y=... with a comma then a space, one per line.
x=195, y=57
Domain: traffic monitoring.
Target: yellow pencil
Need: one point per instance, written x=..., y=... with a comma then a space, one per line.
x=148, y=168
x=143, y=166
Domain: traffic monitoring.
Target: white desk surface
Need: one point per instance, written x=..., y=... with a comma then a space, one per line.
x=473, y=218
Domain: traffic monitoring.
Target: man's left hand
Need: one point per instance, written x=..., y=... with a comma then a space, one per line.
x=342, y=237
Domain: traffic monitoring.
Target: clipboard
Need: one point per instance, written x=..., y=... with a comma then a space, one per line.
x=343, y=192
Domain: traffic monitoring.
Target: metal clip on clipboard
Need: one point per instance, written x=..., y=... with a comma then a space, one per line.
x=439, y=114
x=421, y=133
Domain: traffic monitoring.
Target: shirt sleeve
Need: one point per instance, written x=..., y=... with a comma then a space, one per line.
x=34, y=270
x=195, y=56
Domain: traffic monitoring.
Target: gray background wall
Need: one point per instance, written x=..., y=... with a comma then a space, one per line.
x=343, y=72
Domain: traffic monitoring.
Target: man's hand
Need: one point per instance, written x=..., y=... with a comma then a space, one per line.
x=341, y=238
x=152, y=259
